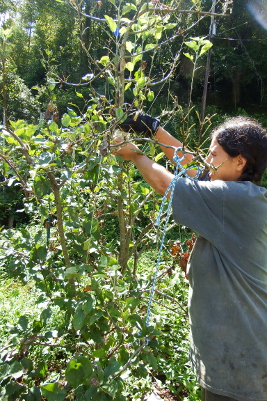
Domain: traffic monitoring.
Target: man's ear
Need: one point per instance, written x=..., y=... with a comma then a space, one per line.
x=241, y=162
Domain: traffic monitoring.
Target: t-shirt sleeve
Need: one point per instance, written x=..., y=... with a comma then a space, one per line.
x=199, y=206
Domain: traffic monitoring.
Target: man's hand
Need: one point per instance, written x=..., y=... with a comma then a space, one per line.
x=126, y=151
x=140, y=122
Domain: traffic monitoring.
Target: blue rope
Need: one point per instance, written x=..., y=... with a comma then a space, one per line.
x=177, y=174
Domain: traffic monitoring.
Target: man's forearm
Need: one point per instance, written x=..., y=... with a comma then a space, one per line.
x=164, y=137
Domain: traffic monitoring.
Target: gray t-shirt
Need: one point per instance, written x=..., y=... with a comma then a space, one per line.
x=228, y=284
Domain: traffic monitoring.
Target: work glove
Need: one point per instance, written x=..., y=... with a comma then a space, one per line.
x=140, y=122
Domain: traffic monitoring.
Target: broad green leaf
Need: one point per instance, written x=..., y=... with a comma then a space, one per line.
x=111, y=80
x=129, y=46
x=132, y=302
x=87, y=244
x=27, y=364
x=144, y=190
x=95, y=317
x=170, y=26
x=193, y=45
x=38, y=252
x=23, y=323
x=104, y=60
x=123, y=30
x=41, y=185
x=126, y=20
x=129, y=66
x=128, y=7
x=90, y=394
x=88, y=306
x=16, y=370
x=26, y=132
x=150, y=46
x=141, y=82
x=12, y=388
x=41, y=370
x=53, y=127
x=150, y=359
x=111, y=388
x=51, y=86
x=111, y=23
x=78, y=370
x=78, y=320
x=45, y=315
x=158, y=32
x=53, y=392
x=188, y=55
x=66, y=120
x=112, y=368
x=119, y=113
x=205, y=48
x=150, y=96
x=99, y=353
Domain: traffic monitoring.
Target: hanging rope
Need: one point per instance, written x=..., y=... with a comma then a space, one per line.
x=179, y=171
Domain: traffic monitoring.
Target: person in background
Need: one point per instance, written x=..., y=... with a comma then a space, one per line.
x=227, y=269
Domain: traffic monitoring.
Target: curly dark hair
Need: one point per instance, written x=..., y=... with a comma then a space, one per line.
x=246, y=137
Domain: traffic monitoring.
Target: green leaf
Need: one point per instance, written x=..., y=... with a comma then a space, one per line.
x=150, y=359
x=66, y=120
x=78, y=94
x=112, y=368
x=189, y=56
x=111, y=23
x=205, y=48
x=127, y=86
x=27, y=364
x=88, y=306
x=111, y=388
x=158, y=32
x=132, y=302
x=78, y=320
x=53, y=127
x=193, y=45
x=45, y=315
x=129, y=46
x=90, y=394
x=23, y=323
x=40, y=370
x=38, y=252
x=141, y=82
x=16, y=370
x=53, y=392
x=104, y=60
x=78, y=370
x=119, y=113
x=170, y=26
x=99, y=353
x=13, y=388
x=128, y=7
x=129, y=66
x=51, y=86
x=150, y=96
x=123, y=30
x=95, y=317
x=159, y=156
